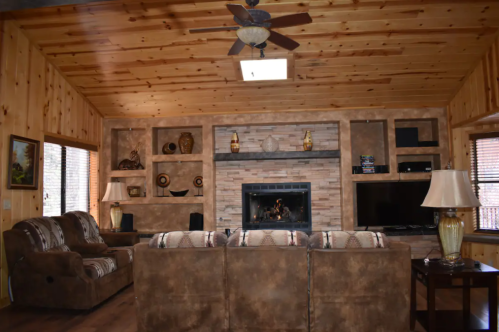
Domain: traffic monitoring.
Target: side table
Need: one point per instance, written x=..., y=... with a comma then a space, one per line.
x=435, y=276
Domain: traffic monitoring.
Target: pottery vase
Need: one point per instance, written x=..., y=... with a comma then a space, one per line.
x=234, y=143
x=270, y=144
x=308, y=144
x=169, y=148
x=186, y=143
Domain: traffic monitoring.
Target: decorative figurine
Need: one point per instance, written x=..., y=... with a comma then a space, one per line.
x=234, y=143
x=270, y=144
x=198, y=183
x=307, y=141
x=134, y=162
x=163, y=181
x=186, y=143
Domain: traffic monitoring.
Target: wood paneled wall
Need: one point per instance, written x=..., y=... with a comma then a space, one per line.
x=474, y=109
x=35, y=100
x=478, y=97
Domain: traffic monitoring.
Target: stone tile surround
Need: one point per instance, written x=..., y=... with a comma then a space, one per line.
x=323, y=174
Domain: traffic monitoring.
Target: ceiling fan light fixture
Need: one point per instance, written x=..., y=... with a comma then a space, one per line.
x=253, y=35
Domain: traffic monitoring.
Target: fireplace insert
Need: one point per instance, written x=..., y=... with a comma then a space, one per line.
x=277, y=206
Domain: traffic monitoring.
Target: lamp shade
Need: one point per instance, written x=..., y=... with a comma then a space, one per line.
x=116, y=192
x=450, y=189
x=253, y=35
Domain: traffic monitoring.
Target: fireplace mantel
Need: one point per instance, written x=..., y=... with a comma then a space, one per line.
x=277, y=155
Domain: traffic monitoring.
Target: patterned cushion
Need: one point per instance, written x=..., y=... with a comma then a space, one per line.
x=195, y=239
x=348, y=240
x=86, y=225
x=129, y=251
x=98, y=267
x=264, y=238
x=45, y=234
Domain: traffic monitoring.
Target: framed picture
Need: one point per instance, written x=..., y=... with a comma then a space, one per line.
x=24, y=161
x=133, y=191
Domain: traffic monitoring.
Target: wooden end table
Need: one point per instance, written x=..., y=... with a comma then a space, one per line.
x=435, y=276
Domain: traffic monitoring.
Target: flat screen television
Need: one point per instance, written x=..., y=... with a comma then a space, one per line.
x=393, y=204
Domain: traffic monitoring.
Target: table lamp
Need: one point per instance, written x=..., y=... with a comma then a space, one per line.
x=451, y=189
x=116, y=192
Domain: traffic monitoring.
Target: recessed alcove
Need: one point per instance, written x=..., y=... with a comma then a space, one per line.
x=369, y=138
x=123, y=141
x=181, y=175
x=161, y=136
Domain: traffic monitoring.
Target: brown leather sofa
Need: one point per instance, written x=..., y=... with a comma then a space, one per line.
x=267, y=281
x=51, y=266
x=356, y=288
x=260, y=281
x=180, y=282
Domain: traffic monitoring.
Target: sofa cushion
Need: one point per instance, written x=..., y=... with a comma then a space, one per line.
x=86, y=225
x=45, y=234
x=348, y=240
x=263, y=238
x=96, y=268
x=195, y=239
x=128, y=250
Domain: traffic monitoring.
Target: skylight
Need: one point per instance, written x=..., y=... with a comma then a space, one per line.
x=264, y=70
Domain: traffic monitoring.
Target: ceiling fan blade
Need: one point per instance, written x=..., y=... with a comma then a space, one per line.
x=290, y=20
x=283, y=41
x=213, y=29
x=237, y=47
x=240, y=12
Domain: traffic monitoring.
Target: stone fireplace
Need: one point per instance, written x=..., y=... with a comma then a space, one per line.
x=277, y=206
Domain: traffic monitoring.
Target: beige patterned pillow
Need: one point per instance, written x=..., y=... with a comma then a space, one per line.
x=264, y=238
x=348, y=240
x=195, y=239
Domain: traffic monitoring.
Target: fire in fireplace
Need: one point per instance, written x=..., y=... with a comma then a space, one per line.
x=277, y=206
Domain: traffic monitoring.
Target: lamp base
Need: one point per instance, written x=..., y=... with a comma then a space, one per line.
x=451, y=231
x=116, y=216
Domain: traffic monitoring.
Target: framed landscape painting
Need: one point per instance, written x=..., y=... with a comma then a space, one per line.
x=24, y=156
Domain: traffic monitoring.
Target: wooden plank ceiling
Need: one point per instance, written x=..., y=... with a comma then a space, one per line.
x=137, y=58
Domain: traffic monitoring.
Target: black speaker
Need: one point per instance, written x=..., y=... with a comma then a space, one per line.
x=196, y=223
x=357, y=170
x=127, y=222
x=381, y=169
x=428, y=143
x=406, y=137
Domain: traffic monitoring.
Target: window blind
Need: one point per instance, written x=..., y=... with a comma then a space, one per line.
x=52, y=184
x=485, y=178
x=71, y=180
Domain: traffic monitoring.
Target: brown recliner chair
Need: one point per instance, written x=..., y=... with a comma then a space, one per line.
x=359, y=282
x=45, y=272
x=267, y=281
x=180, y=282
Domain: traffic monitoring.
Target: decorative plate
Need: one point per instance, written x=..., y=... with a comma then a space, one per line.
x=163, y=180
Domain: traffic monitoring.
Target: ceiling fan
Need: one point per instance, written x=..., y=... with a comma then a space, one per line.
x=255, y=27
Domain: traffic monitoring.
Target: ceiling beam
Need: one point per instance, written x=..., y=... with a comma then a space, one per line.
x=11, y=5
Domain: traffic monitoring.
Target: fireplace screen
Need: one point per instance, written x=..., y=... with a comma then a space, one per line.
x=277, y=206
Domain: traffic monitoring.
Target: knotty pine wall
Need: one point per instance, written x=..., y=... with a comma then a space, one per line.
x=35, y=100
x=474, y=109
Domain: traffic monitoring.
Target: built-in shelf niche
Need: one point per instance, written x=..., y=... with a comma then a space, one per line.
x=182, y=174
x=433, y=158
x=427, y=128
x=161, y=136
x=134, y=182
x=123, y=141
x=370, y=138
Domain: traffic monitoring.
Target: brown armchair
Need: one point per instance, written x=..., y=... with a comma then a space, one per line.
x=45, y=272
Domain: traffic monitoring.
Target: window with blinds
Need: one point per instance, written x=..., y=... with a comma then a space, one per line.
x=485, y=179
x=70, y=180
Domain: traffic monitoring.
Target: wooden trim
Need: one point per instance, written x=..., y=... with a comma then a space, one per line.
x=72, y=142
x=484, y=135
x=472, y=120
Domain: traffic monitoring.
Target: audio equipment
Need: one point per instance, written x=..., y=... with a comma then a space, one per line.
x=381, y=169
x=127, y=222
x=406, y=137
x=415, y=166
x=427, y=143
